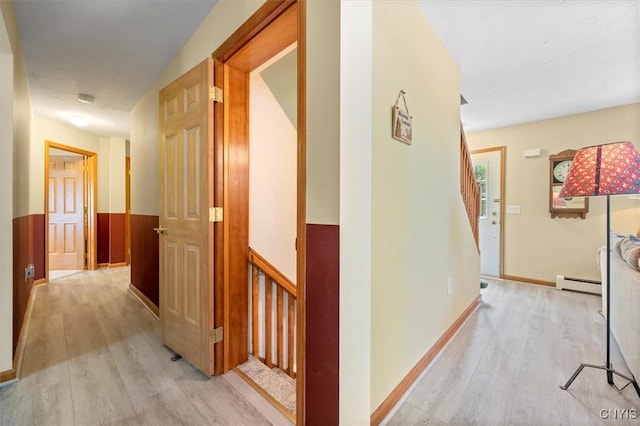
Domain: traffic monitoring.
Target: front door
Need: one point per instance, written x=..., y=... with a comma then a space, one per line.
x=66, y=213
x=186, y=235
x=488, y=170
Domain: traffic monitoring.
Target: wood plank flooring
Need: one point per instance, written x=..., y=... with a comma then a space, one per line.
x=94, y=356
x=505, y=364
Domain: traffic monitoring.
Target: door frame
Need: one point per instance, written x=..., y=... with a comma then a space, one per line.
x=91, y=200
x=503, y=158
x=263, y=35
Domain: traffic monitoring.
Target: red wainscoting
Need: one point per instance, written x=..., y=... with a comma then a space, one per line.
x=322, y=324
x=39, y=250
x=103, y=238
x=117, y=233
x=144, y=256
x=28, y=247
x=111, y=238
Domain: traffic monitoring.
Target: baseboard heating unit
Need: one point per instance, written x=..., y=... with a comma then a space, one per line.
x=578, y=284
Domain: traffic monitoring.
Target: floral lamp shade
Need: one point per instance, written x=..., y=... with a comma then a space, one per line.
x=608, y=169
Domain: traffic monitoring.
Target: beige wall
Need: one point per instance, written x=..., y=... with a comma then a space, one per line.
x=420, y=232
x=355, y=211
x=323, y=112
x=6, y=195
x=272, y=177
x=15, y=116
x=22, y=115
x=223, y=20
x=117, y=166
x=537, y=246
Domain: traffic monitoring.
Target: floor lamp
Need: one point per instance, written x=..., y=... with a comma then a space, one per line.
x=604, y=170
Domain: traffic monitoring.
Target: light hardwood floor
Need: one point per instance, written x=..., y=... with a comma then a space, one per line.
x=94, y=356
x=505, y=364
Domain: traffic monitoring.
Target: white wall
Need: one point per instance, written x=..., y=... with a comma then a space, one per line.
x=420, y=232
x=272, y=176
x=537, y=246
x=355, y=212
x=6, y=195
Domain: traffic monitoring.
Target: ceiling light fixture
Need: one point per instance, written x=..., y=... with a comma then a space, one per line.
x=79, y=121
x=85, y=99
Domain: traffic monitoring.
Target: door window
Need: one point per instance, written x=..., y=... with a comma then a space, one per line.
x=481, y=171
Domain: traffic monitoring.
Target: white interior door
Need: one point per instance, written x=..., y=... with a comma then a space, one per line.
x=488, y=169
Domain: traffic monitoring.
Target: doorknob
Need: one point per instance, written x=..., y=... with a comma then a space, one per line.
x=493, y=222
x=160, y=230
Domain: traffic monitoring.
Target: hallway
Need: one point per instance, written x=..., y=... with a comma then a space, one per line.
x=93, y=356
x=505, y=365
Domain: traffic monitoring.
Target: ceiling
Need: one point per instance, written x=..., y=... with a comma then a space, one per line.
x=110, y=49
x=520, y=60
x=529, y=60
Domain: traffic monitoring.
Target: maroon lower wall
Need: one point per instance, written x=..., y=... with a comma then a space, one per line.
x=144, y=256
x=322, y=324
x=103, y=232
x=117, y=232
x=28, y=248
x=111, y=229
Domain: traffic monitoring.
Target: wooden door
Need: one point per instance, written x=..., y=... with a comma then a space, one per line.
x=66, y=213
x=186, y=235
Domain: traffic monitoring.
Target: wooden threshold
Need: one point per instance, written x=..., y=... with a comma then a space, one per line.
x=41, y=281
x=394, y=397
x=266, y=395
x=118, y=265
x=151, y=307
x=528, y=280
x=7, y=376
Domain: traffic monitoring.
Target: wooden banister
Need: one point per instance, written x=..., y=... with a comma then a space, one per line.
x=273, y=319
x=469, y=187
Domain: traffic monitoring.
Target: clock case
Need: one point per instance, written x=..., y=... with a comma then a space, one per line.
x=563, y=212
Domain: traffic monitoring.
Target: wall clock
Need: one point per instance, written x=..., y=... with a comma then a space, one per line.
x=573, y=207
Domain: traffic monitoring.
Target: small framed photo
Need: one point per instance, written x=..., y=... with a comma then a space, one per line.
x=402, y=123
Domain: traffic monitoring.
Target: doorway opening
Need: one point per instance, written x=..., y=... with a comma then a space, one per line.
x=489, y=167
x=259, y=273
x=70, y=210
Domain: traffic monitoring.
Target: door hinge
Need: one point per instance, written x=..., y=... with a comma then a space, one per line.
x=215, y=94
x=215, y=214
x=216, y=334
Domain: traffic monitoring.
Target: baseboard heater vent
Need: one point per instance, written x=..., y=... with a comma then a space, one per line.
x=578, y=284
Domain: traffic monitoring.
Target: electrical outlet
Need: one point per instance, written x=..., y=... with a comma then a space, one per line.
x=29, y=272
x=449, y=286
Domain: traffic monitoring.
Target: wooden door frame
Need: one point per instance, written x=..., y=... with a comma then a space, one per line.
x=503, y=159
x=91, y=200
x=257, y=40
